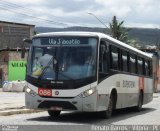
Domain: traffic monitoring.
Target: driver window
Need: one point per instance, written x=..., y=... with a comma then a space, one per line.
x=38, y=52
x=36, y=66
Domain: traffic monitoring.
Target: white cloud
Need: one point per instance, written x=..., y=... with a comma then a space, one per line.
x=145, y=12
x=142, y=25
x=26, y=2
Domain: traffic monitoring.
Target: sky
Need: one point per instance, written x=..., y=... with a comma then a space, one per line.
x=88, y=13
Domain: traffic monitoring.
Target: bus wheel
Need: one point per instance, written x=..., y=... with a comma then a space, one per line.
x=108, y=112
x=54, y=114
x=138, y=108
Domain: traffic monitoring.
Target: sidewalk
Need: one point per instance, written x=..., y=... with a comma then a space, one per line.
x=13, y=103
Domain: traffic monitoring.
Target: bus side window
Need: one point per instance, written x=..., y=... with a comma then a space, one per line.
x=103, y=59
x=140, y=66
x=150, y=68
x=114, y=58
x=132, y=63
x=124, y=61
x=146, y=68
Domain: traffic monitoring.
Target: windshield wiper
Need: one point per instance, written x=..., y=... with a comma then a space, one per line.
x=45, y=68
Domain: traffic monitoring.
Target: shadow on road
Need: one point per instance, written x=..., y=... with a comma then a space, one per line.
x=92, y=117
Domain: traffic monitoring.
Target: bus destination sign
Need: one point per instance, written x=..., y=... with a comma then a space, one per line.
x=62, y=41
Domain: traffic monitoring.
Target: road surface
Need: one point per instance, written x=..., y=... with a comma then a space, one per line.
x=150, y=115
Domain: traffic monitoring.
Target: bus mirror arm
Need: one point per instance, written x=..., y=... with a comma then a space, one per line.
x=29, y=41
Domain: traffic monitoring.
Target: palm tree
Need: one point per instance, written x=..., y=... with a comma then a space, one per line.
x=117, y=30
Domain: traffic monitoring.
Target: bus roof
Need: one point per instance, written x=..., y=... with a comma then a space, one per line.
x=94, y=34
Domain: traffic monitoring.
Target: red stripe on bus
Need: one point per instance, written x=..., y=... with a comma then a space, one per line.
x=141, y=83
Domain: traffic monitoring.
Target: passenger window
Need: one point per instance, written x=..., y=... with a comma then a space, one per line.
x=132, y=63
x=124, y=61
x=146, y=68
x=114, y=58
x=140, y=66
x=150, y=68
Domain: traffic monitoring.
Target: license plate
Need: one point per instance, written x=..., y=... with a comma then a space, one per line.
x=56, y=108
x=44, y=92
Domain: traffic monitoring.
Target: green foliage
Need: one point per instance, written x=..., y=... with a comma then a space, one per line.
x=134, y=43
x=35, y=32
x=117, y=30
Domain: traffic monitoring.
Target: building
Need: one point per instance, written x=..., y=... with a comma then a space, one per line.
x=156, y=66
x=11, y=43
x=12, y=34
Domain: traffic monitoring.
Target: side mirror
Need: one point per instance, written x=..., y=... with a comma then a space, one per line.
x=29, y=41
x=23, y=48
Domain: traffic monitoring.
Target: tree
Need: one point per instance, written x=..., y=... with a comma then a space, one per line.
x=134, y=43
x=117, y=30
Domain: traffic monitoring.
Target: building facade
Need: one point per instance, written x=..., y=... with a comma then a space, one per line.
x=11, y=43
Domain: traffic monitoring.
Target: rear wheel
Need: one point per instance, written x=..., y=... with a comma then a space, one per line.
x=54, y=114
x=108, y=112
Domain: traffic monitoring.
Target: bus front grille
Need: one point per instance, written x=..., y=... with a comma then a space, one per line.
x=65, y=105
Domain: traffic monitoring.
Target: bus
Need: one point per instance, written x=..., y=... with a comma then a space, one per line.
x=86, y=72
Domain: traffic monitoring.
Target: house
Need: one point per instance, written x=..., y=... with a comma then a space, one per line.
x=11, y=43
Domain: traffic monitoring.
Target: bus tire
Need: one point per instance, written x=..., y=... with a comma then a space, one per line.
x=108, y=113
x=54, y=114
x=138, y=108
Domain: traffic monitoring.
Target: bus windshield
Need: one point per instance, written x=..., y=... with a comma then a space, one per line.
x=63, y=58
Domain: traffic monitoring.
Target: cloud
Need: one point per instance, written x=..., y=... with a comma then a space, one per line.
x=70, y=5
x=134, y=13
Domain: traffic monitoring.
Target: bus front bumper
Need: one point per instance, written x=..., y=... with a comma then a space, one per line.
x=78, y=103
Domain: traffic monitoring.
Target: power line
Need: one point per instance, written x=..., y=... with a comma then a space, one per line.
x=47, y=21
x=22, y=7
x=50, y=21
x=24, y=13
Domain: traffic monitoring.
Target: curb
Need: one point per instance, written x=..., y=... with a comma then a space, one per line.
x=18, y=111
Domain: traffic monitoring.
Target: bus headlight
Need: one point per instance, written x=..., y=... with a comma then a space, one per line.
x=30, y=91
x=88, y=92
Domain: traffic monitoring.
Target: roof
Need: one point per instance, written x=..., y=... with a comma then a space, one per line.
x=72, y=33
x=7, y=22
x=93, y=34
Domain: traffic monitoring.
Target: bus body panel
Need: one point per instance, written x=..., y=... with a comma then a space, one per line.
x=126, y=97
x=72, y=97
x=65, y=93
x=148, y=90
x=128, y=89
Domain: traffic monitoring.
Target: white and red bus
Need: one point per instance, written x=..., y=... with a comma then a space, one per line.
x=86, y=71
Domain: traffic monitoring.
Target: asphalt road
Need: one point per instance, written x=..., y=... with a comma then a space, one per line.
x=150, y=115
